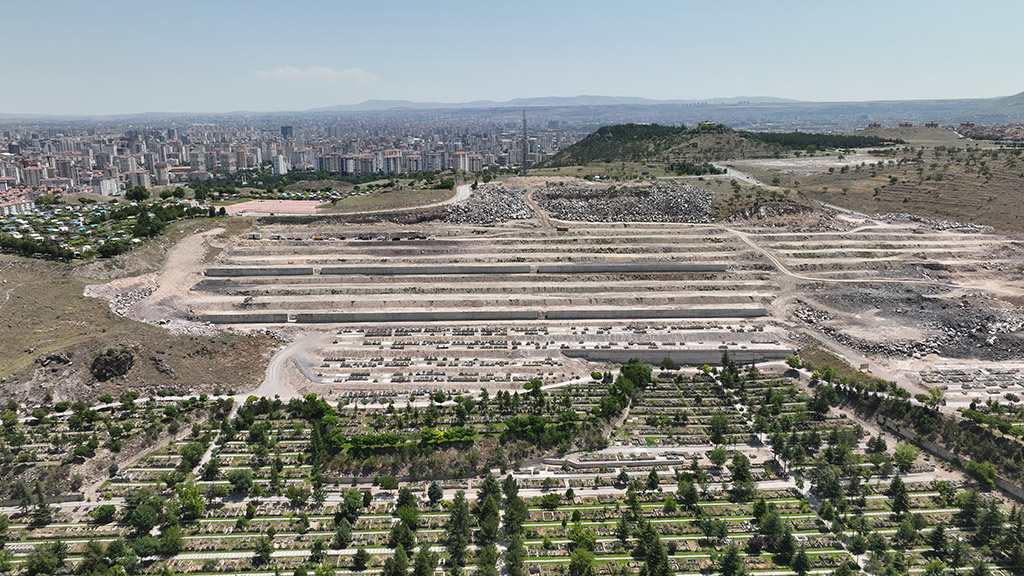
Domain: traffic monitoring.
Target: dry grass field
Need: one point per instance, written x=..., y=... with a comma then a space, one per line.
x=45, y=313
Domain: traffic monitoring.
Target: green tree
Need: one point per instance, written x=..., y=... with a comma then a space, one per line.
x=581, y=563
x=240, y=480
x=718, y=456
x=936, y=397
x=458, y=529
x=360, y=560
x=397, y=564
x=731, y=563
x=515, y=554
x=171, y=540
x=489, y=521
x=103, y=514
x=904, y=456
x=94, y=558
x=263, y=548
x=46, y=558
x=801, y=564
x=400, y=535
x=136, y=194
x=934, y=568
x=190, y=502
x=318, y=551
x=342, y=534
x=425, y=563
x=653, y=480
x=582, y=537
x=938, y=541
x=435, y=493
x=899, y=497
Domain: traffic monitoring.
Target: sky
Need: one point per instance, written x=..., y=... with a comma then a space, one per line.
x=116, y=57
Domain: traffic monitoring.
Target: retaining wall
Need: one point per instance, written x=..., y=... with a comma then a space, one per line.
x=690, y=357
x=641, y=313
x=437, y=316
x=620, y=267
x=425, y=270
x=244, y=318
x=260, y=271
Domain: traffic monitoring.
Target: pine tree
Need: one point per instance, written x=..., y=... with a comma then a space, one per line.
x=458, y=529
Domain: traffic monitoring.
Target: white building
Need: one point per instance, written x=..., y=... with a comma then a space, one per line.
x=105, y=187
x=281, y=166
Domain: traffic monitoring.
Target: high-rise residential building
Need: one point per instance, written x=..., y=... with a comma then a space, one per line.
x=33, y=176
x=163, y=173
x=138, y=178
x=280, y=165
x=105, y=186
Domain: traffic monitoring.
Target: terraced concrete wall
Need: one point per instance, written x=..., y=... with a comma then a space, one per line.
x=260, y=271
x=438, y=316
x=425, y=270
x=641, y=313
x=622, y=267
x=244, y=318
x=682, y=357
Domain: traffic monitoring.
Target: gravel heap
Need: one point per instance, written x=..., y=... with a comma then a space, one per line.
x=969, y=328
x=656, y=203
x=122, y=303
x=490, y=203
x=933, y=223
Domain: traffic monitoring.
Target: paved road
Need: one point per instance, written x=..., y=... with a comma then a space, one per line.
x=737, y=175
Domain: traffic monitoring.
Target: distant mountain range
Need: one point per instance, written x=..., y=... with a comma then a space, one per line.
x=758, y=113
x=546, y=101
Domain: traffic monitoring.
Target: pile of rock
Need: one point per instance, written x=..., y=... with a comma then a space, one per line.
x=656, y=203
x=933, y=223
x=490, y=203
x=122, y=303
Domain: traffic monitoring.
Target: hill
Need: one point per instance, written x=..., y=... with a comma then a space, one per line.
x=706, y=143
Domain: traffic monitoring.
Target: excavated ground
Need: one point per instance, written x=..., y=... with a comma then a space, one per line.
x=461, y=306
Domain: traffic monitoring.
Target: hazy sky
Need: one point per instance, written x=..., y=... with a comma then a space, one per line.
x=107, y=56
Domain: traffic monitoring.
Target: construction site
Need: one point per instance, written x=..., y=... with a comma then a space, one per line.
x=493, y=292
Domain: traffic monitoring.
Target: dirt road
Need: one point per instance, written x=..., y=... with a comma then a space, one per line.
x=182, y=270
x=288, y=369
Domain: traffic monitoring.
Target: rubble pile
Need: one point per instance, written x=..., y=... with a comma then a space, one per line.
x=968, y=328
x=490, y=203
x=933, y=223
x=656, y=203
x=122, y=303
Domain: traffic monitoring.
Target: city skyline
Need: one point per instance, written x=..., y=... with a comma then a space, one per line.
x=262, y=57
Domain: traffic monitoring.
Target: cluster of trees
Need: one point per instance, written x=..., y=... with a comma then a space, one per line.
x=47, y=249
x=620, y=143
x=633, y=378
x=642, y=142
x=973, y=440
x=227, y=184
x=804, y=140
x=685, y=168
x=491, y=528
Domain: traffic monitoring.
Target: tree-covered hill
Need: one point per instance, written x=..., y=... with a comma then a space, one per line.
x=680, y=145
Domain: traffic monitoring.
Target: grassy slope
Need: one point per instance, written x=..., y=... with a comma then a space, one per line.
x=950, y=187
x=388, y=199
x=44, y=312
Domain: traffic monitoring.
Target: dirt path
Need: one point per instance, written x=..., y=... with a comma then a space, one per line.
x=287, y=374
x=182, y=270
